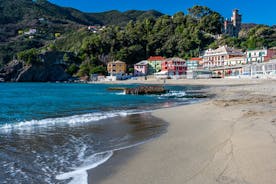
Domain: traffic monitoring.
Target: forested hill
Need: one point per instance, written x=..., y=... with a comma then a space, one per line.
x=17, y=11
x=24, y=14
x=129, y=36
x=18, y=16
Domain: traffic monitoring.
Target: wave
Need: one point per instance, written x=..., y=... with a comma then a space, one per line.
x=74, y=120
x=79, y=175
x=174, y=95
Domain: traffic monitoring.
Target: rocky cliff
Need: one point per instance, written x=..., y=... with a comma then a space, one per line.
x=49, y=70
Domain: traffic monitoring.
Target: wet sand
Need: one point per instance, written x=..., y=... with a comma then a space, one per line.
x=228, y=139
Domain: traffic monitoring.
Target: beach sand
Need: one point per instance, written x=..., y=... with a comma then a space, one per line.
x=228, y=139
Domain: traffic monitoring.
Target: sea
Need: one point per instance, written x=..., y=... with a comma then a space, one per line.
x=54, y=132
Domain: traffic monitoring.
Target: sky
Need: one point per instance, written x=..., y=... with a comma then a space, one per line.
x=253, y=11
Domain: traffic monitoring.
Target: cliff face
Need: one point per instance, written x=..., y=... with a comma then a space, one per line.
x=49, y=70
x=16, y=72
x=42, y=73
x=11, y=71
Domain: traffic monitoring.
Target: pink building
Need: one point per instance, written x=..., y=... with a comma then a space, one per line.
x=141, y=68
x=174, y=66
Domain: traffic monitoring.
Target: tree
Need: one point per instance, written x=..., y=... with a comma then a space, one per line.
x=29, y=56
x=98, y=70
x=66, y=58
x=84, y=69
x=199, y=11
x=72, y=69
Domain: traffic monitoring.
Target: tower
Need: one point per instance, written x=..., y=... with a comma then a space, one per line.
x=232, y=27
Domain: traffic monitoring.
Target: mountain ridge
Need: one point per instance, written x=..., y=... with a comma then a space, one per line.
x=19, y=16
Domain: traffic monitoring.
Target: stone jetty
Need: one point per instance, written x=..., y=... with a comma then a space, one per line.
x=143, y=90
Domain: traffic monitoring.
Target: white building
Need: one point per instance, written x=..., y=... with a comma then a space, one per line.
x=260, y=55
x=214, y=58
x=30, y=32
x=235, y=61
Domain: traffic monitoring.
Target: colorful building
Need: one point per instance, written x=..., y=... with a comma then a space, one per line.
x=174, y=66
x=154, y=64
x=194, y=63
x=224, y=61
x=195, y=69
x=260, y=55
x=214, y=58
x=233, y=61
x=141, y=68
x=116, y=68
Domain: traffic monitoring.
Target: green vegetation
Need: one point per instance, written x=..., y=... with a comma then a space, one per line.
x=130, y=36
x=30, y=57
x=180, y=35
x=51, y=22
x=256, y=37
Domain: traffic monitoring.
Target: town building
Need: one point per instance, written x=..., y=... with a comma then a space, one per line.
x=30, y=32
x=95, y=28
x=141, y=68
x=232, y=27
x=116, y=68
x=233, y=61
x=174, y=66
x=224, y=61
x=260, y=55
x=214, y=58
x=194, y=63
x=195, y=69
x=260, y=70
x=154, y=64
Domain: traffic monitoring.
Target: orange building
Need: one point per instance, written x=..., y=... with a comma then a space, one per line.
x=116, y=68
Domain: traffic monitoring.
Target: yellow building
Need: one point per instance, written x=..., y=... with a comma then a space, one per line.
x=116, y=67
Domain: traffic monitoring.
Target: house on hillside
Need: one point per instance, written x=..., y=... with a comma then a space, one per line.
x=30, y=32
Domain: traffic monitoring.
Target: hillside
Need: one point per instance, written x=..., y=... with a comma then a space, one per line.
x=17, y=17
x=33, y=28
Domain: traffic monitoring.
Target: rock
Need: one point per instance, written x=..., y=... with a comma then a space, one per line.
x=116, y=89
x=41, y=73
x=142, y=90
x=52, y=69
x=11, y=71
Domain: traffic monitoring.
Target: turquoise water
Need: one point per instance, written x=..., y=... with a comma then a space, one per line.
x=36, y=101
x=54, y=132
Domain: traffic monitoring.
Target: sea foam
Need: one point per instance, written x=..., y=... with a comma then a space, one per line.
x=79, y=175
x=74, y=120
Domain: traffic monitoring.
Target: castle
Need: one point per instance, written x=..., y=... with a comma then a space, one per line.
x=232, y=27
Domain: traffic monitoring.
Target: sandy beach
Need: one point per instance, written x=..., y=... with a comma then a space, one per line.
x=230, y=138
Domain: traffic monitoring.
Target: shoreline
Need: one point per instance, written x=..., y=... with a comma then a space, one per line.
x=233, y=140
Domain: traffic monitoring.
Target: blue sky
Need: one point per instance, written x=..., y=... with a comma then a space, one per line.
x=253, y=11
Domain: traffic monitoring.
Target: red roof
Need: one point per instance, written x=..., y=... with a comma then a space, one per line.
x=156, y=58
x=195, y=59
